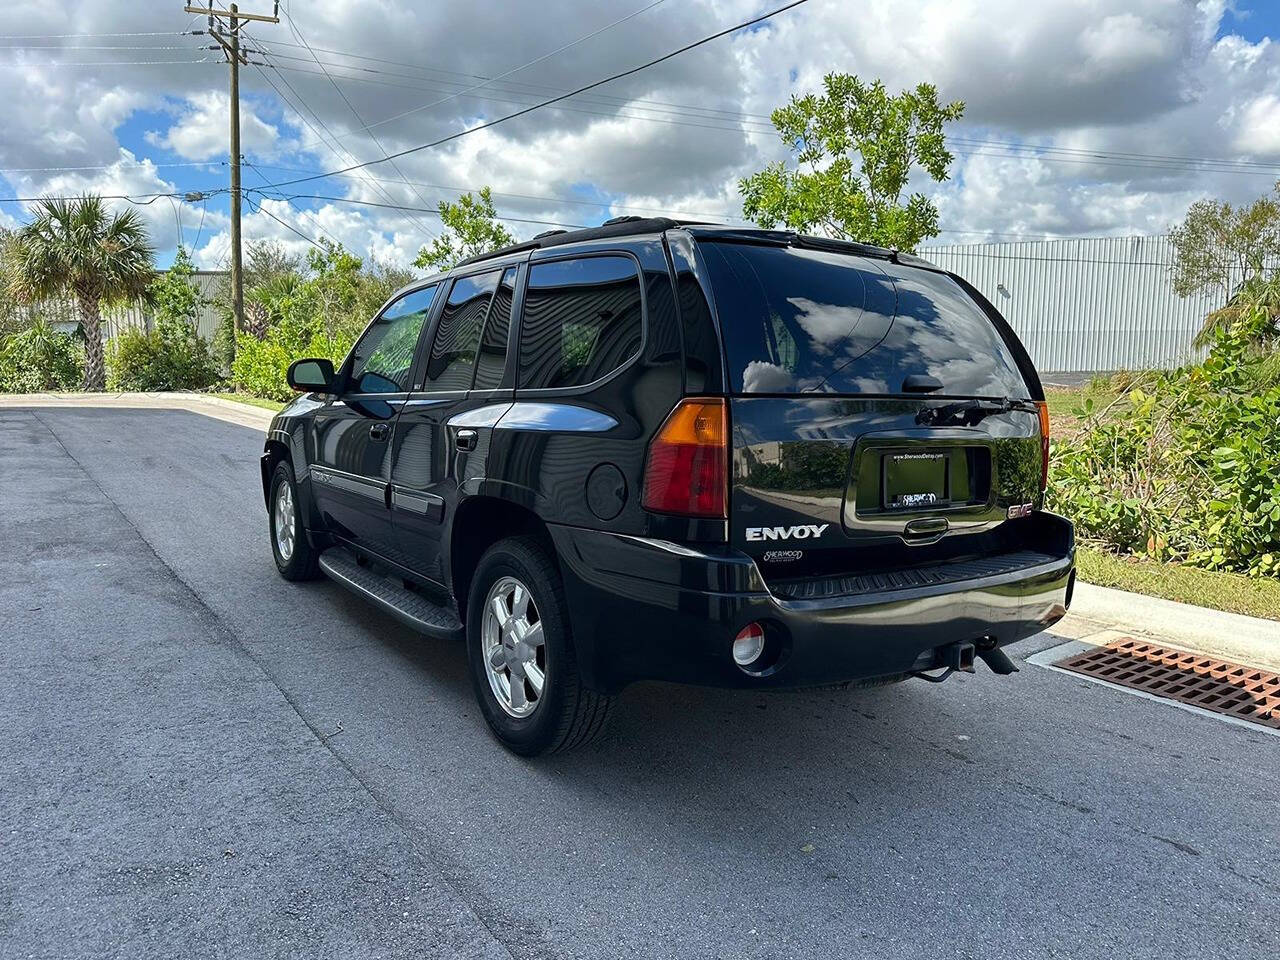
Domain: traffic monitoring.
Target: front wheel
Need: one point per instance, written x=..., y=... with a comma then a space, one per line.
x=295, y=558
x=520, y=648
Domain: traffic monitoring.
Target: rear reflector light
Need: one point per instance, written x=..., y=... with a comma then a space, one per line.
x=748, y=645
x=687, y=471
x=1043, y=409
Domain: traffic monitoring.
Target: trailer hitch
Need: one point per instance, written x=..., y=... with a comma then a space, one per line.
x=959, y=657
x=954, y=656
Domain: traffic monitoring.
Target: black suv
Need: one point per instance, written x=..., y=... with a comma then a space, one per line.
x=661, y=450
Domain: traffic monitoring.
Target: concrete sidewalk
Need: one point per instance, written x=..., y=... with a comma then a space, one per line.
x=1230, y=636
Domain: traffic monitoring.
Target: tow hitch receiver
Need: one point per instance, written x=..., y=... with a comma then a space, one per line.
x=954, y=656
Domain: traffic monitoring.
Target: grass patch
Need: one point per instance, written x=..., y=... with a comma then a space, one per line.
x=1063, y=400
x=1232, y=592
x=250, y=399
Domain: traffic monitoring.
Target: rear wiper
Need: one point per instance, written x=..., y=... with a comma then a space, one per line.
x=969, y=413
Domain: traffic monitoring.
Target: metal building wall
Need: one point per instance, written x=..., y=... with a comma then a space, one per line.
x=1085, y=305
x=61, y=312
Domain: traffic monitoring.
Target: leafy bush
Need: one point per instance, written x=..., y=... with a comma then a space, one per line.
x=319, y=313
x=1184, y=465
x=40, y=359
x=260, y=366
x=172, y=356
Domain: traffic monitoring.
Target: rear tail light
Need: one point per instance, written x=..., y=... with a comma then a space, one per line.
x=1043, y=409
x=687, y=471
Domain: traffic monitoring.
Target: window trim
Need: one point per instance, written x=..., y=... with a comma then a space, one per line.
x=518, y=326
x=349, y=360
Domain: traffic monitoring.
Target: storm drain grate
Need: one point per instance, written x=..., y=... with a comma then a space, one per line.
x=1218, y=685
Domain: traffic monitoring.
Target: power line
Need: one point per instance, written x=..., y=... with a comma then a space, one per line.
x=108, y=166
x=261, y=208
x=60, y=48
x=750, y=127
x=543, y=88
x=702, y=112
x=116, y=63
x=523, y=66
x=337, y=150
x=570, y=109
x=297, y=32
x=395, y=206
x=138, y=199
x=69, y=36
x=604, y=204
x=553, y=100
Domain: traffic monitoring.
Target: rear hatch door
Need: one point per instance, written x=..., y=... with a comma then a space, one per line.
x=880, y=420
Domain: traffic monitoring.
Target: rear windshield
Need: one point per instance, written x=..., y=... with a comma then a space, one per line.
x=810, y=321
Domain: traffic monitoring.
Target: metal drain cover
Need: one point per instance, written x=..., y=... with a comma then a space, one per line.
x=1245, y=693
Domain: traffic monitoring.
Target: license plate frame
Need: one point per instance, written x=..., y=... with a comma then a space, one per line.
x=915, y=479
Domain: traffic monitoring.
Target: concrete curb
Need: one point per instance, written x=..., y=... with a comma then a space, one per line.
x=1230, y=636
x=244, y=414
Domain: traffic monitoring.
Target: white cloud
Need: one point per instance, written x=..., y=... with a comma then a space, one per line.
x=201, y=131
x=1126, y=76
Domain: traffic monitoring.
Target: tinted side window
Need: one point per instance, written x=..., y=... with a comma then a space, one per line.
x=381, y=359
x=581, y=320
x=453, y=349
x=811, y=321
x=492, y=358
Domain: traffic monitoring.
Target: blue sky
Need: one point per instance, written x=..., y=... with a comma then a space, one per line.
x=1074, y=111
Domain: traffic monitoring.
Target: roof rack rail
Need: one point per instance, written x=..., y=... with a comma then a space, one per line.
x=618, y=227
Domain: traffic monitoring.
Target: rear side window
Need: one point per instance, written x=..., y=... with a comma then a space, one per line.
x=491, y=360
x=810, y=321
x=582, y=320
x=451, y=364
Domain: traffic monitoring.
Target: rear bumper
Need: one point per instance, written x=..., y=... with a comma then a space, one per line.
x=647, y=609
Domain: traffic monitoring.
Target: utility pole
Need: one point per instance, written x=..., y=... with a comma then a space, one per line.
x=229, y=40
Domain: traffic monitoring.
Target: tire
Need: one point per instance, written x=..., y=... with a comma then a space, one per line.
x=528, y=720
x=296, y=559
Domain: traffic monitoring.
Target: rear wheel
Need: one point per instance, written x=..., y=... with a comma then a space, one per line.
x=295, y=558
x=520, y=648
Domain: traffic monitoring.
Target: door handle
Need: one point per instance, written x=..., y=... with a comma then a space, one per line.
x=466, y=439
x=379, y=431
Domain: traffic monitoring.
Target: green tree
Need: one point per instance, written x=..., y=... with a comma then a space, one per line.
x=174, y=295
x=77, y=248
x=471, y=227
x=855, y=147
x=1218, y=246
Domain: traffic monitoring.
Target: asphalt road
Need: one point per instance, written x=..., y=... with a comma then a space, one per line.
x=198, y=759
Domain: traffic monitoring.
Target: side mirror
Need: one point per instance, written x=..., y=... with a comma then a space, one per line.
x=311, y=376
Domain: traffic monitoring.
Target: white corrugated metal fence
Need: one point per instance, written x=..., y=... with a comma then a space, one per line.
x=1086, y=305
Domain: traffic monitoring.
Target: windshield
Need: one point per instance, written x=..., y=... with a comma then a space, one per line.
x=811, y=321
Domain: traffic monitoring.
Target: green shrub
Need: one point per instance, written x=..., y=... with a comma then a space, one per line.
x=316, y=314
x=170, y=357
x=1184, y=465
x=39, y=359
x=260, y=366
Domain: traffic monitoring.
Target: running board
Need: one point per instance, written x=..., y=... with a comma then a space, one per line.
x=411, y=609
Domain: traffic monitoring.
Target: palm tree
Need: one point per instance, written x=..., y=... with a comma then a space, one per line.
x=77, y=248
